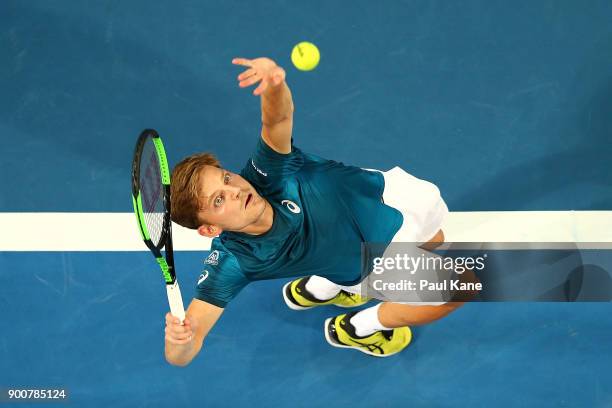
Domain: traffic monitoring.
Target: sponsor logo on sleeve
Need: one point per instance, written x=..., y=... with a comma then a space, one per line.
x=203, y=276
x=213, y=258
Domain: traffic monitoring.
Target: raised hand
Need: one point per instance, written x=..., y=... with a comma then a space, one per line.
x=262, y=70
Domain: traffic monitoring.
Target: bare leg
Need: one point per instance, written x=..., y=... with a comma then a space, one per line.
x=434, y=242
x=394, y=315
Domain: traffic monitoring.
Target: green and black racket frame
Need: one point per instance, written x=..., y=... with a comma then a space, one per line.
x=151, y=199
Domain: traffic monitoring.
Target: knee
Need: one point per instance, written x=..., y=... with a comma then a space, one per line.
x=434, y=242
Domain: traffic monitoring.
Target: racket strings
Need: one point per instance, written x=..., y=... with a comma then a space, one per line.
x=154, y=223
x=152, y=192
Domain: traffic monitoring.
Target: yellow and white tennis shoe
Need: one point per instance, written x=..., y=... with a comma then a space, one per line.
x=298, y=298
x=339, y=332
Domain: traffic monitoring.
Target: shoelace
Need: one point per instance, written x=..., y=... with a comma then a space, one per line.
x=351, y=296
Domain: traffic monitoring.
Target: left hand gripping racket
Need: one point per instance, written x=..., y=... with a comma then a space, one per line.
x=151, y=198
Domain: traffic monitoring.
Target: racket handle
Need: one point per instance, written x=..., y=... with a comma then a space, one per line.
x=176, y=301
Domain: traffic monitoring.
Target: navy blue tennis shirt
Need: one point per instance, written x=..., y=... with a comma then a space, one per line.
x=323, y=211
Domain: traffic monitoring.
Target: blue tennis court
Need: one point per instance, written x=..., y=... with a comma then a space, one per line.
x=505, y=106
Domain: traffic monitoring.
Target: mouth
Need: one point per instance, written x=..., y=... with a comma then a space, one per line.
x=248, y=200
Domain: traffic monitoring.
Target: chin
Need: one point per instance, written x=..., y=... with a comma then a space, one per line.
x=260, y=208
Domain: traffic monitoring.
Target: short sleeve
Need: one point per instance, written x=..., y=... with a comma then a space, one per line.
x=267, y=166
x=222, y=279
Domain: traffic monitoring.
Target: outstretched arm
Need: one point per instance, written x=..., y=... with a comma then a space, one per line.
x=183, y=342
x=276, y=101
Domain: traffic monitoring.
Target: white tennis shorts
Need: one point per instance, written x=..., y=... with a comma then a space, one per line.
x=422, y=207
x=420, y=203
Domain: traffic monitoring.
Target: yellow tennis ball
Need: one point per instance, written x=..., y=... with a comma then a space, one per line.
x=305, y=56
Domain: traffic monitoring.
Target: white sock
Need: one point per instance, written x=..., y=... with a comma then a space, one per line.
x=321, y=288
x=366, y=322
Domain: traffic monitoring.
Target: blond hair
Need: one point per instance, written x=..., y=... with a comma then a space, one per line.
x=185, y=188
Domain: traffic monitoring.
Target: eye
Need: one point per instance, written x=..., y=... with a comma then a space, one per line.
x=219, y=200
x=227, y=178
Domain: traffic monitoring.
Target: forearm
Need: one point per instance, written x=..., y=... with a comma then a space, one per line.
x=182, y=354
x=276, y=104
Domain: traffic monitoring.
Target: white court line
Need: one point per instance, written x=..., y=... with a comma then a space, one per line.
x=118, y=231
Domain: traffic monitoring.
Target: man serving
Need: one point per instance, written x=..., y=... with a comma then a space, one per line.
x=291, y=214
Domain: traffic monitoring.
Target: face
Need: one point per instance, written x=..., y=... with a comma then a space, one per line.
x=228, y=202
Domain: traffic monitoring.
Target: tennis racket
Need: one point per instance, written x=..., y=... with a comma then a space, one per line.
x=151, y=198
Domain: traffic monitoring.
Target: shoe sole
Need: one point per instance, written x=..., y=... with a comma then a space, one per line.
x=334, y=344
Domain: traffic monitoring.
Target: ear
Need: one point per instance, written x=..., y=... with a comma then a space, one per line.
x=209, y=231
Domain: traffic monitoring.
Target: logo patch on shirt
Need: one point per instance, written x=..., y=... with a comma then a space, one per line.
x=293, y=207
x=203, y=276
x=257, y=168
x=213, y=258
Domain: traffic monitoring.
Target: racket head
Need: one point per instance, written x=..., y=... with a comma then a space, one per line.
x=151, y=198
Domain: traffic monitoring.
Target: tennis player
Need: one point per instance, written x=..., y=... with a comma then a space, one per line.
x=292, y=214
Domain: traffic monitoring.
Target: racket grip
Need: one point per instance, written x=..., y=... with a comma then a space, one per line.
x=176, y=301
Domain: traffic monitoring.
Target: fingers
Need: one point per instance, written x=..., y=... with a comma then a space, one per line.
x=178, y=336
x=177, y=333
x=250, y=81
x=170, y=318
x=242, y=61
x=261, y=88
x=246, y=74
x=272, y=78
x=262, y=70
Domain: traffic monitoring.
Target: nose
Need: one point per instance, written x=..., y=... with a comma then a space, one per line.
x=234, y=191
